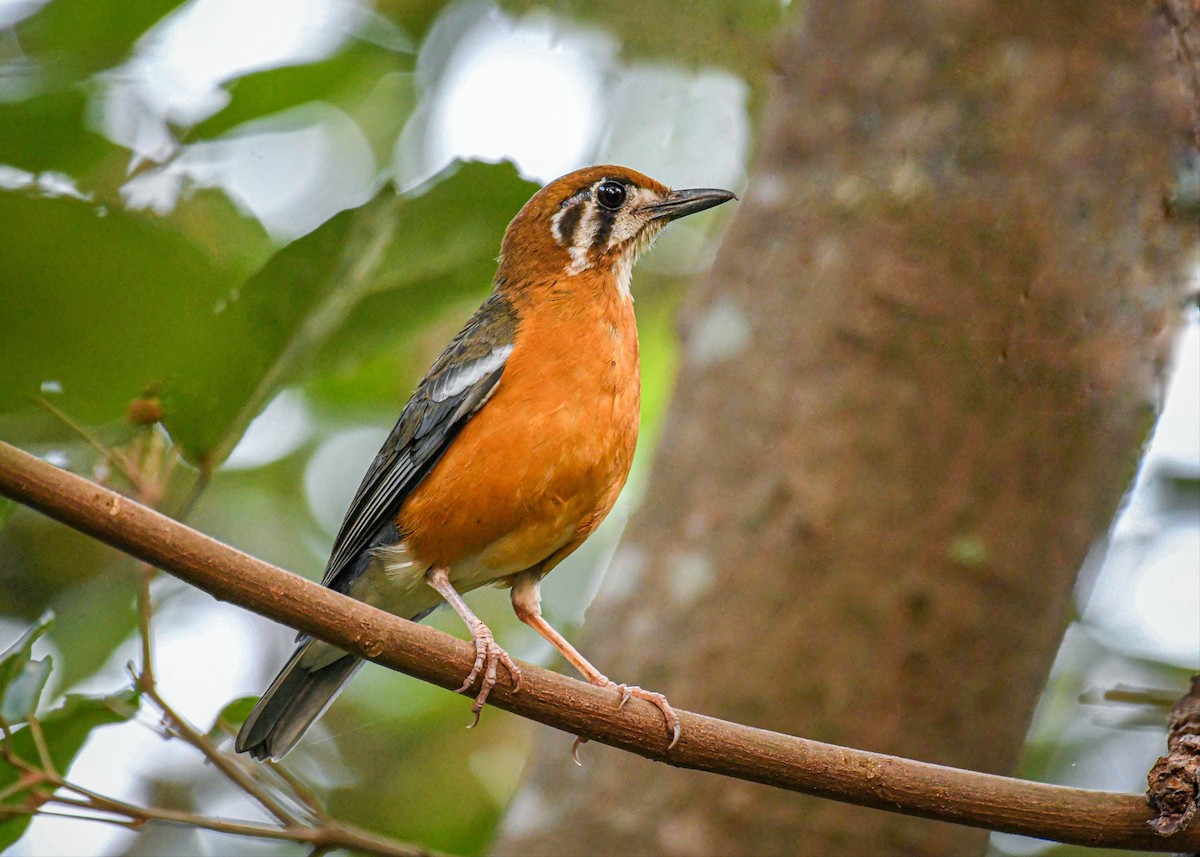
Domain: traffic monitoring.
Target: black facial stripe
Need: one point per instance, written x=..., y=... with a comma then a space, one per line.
x=568, y=222
x=604, y=227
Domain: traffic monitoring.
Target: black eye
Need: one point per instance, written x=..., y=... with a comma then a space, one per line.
x=610, y=194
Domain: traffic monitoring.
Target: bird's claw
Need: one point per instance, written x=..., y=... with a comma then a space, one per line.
x=628, y=691
x=488, y=657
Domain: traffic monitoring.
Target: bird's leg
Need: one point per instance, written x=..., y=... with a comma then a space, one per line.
x=527, y=603
x=488, y=655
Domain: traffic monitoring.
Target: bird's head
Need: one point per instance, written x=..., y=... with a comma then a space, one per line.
x=595, y=219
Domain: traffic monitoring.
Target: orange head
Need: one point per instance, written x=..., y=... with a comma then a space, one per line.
x=598, y=218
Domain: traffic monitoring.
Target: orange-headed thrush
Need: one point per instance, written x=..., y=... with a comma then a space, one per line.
x=511, y=451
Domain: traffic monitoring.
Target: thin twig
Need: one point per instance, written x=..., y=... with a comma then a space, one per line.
x=101, y=819
x=39, y=743
x=302, y=792
x=25, y=782
x=10, y=755
x=145, y=676
x=110, y=456
x=221, y=761
x=175, y=723
x=334, y=835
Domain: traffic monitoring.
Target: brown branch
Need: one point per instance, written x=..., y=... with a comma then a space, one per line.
x=867, y=779
x=1174, y=780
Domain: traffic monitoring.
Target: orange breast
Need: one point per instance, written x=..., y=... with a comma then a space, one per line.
x=541, y=464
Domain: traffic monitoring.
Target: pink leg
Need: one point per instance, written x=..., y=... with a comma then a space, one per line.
x=527, y=603
x=488, y=655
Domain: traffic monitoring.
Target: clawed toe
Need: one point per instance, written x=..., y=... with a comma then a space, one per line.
x=628, y=692
x=656, y=699
x=488, y=657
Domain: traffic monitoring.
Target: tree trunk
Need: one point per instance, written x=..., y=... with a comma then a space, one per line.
x=914, y=390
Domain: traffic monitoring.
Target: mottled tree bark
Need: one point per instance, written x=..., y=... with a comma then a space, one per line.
x=914, y=390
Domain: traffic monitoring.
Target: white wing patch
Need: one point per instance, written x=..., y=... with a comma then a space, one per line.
x=469, y=374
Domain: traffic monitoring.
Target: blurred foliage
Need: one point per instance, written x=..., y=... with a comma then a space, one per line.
x=70, y=41
x=115, y=315
x=378, y=271
x=345, y=79
x=48, y=132
x=728, y=33
x=186, y=302
x=63, y=730
x=22, y=679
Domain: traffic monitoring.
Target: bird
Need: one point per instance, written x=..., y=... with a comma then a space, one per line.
x=511, y=451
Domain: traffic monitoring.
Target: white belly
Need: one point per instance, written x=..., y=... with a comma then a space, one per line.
x=395, y=582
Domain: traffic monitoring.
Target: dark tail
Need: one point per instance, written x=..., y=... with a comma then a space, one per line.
x=296, y=698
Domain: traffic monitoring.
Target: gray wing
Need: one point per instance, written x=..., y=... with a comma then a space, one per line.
x=461, y=381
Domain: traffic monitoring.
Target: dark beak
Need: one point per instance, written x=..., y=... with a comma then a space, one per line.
x=681, y=203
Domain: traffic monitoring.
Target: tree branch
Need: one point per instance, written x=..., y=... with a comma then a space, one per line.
x=868, y=779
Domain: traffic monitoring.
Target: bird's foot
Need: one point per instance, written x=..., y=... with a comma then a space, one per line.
x=488, y=657
x=627, y=692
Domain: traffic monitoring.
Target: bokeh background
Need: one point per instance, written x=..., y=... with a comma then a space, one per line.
x=191, y=200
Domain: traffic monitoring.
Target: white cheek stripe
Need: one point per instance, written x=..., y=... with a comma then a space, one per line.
x=624, y=272
x=579, y=261
x=567, y=204
x=630, y=227
x=585, y=234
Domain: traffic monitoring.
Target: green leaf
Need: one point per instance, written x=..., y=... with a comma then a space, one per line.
x=47, y=132
x=73, y=39
x=367, y=278
x=7, y=507
x=15, y=660
x=105, y=303
x=24, y=691
x=94, y=617
x=345, y=79
x=232, y=716
x=444, y=254
x=65, y=729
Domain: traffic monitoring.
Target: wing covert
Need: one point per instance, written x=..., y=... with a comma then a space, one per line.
x=460, y=382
